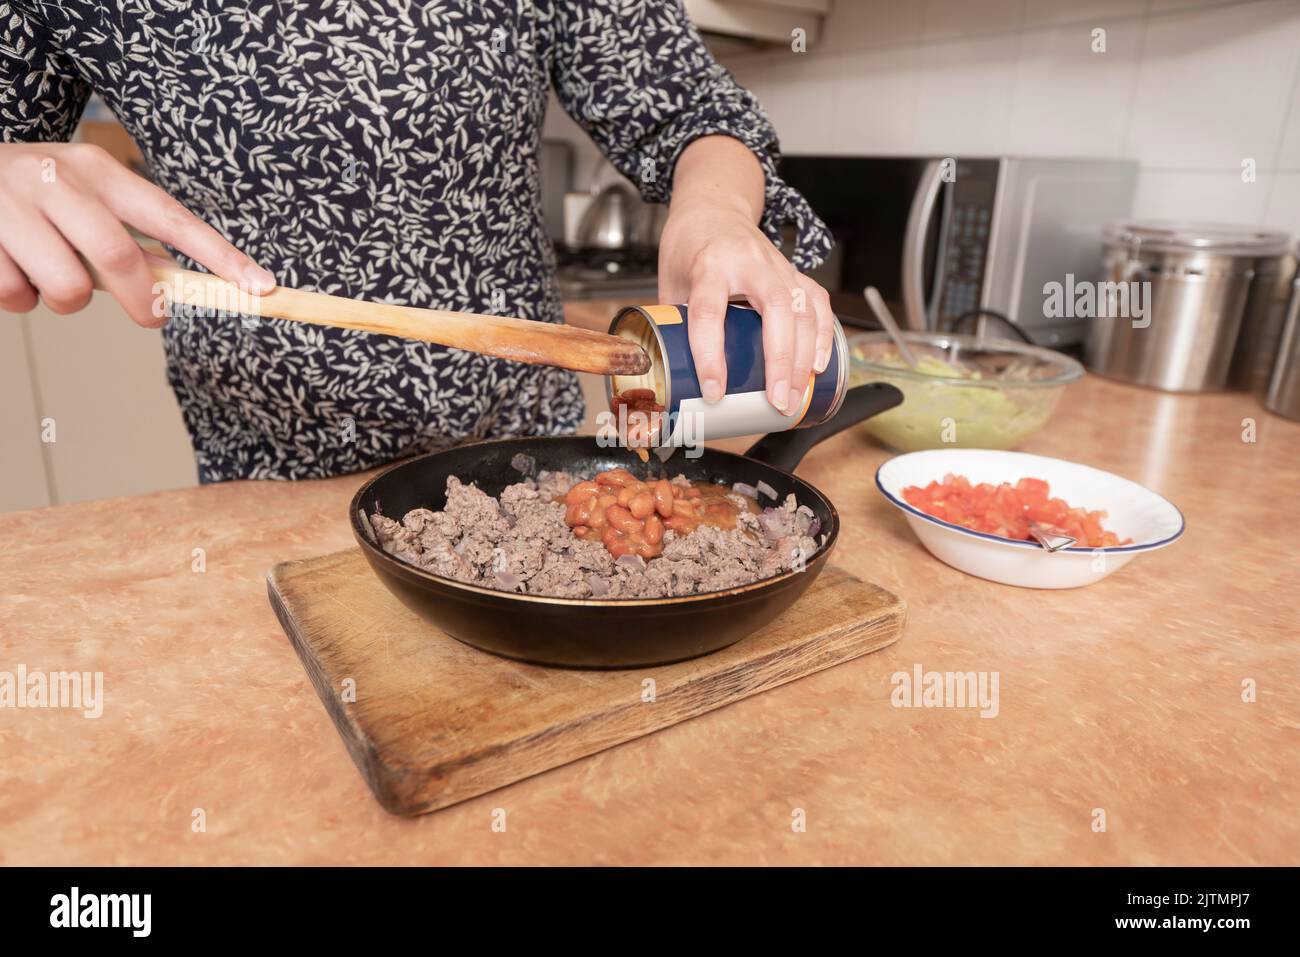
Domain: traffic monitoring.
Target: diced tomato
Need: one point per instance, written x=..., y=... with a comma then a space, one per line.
x=1007, y=510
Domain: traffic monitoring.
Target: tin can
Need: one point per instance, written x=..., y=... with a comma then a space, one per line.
x=743, y=409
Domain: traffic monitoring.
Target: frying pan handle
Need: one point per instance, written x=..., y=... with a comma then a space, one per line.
x=785, y=450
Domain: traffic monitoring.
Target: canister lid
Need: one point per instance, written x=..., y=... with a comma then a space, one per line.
x=1224, y=239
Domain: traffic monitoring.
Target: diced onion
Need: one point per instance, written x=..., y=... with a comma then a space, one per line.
x=770, y=524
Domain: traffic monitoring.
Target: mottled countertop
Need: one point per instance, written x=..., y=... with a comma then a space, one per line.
x=1126, y=696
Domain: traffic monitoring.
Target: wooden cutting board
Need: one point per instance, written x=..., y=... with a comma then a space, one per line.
x=430, y=721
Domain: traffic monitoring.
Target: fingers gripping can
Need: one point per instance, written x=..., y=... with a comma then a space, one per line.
x=744, y=409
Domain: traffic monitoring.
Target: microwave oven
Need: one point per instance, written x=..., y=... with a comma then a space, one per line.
x=947, y=241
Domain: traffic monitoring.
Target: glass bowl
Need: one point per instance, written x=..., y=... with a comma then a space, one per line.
x=968, y=393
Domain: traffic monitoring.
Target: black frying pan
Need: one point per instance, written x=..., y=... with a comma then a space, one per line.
x=602, y=633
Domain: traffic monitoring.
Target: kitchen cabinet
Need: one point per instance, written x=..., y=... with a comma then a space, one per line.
x=102, y=381
x=21, y=455
x=768, y=21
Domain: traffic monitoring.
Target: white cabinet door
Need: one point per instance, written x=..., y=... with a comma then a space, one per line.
x=22, y=464
x=103, y=381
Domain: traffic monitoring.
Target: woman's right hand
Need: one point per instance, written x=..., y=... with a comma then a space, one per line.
x=58, y=200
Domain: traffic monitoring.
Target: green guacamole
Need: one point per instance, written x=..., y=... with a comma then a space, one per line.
x=939, y=412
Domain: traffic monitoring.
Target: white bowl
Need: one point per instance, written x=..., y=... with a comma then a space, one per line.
x=1132, y=511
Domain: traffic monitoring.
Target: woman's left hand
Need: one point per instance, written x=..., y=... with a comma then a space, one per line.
x=710, y=252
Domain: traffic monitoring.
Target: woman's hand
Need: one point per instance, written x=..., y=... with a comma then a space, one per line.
x=711, y=251
x=58, y=200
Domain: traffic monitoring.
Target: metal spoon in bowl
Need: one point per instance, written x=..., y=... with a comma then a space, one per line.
x=886, y=318
x=1050, y=538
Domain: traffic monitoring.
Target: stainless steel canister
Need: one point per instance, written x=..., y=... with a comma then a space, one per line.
x=1284, y=386
x=1184, y=289
x=1261, y=324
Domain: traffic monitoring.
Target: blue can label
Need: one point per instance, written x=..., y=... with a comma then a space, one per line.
x=744, y=408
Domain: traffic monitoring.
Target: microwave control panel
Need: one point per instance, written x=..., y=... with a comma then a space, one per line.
x=966, y=227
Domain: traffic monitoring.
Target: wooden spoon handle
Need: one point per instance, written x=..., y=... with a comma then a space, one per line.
x=536, y=343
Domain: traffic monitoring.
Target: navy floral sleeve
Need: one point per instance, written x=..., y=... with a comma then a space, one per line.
x=384, y=150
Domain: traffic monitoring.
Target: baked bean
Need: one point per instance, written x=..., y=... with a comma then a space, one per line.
x=640, y=429
x=664, y=498
x=629, y=516
x=623, y=520
x=654, y=530
x=581, y=490
x=640, y=410
x=616, y=477
x=642, y=505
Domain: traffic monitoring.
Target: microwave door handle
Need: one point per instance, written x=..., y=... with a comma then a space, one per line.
x=914, y=239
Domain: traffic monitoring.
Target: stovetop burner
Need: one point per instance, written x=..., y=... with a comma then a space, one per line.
x=593, y=272
x=639, y=258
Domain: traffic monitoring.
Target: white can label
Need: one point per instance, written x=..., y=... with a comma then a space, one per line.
x=738, y=413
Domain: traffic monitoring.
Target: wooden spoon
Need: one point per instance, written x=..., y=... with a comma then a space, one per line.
x=536, y=343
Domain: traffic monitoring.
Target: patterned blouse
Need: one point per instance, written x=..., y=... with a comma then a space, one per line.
x=382, y=150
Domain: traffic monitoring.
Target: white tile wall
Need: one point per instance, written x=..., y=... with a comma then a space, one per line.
x=965, y=93
x=949, y=19
x=877, y=106
x=810, y=92
x=1070, y=100
x=1288, y=154
x=1217, y=196
x=856, y=25
x=1091, y=12
x=1282, y=207
x=1215, y=85
x=1189, y=88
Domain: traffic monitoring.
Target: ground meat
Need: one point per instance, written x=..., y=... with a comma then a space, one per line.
x=522, y=544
